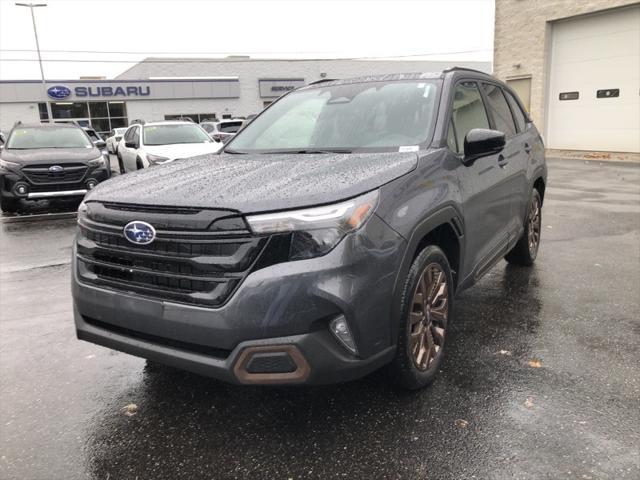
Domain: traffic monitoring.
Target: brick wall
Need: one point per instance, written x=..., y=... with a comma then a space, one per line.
x=522, y=32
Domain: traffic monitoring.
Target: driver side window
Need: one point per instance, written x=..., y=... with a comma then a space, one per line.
x=468, y=113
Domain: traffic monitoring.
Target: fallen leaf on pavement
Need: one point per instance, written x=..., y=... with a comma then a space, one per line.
x=461, y=423
x=528, y=402
x=535, y=363
x=130, y=410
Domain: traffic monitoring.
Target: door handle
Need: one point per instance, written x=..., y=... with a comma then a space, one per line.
x=527, y=148
x=502, y=162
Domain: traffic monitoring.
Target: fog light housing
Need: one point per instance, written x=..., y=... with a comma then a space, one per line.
x=21, y=189
x=340, y=330
x=91, y=184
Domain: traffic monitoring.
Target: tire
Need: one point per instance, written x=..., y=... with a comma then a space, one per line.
x=8, y=205
x=121, y=165
x=526, y=250
x=421, y=330
x=139, y=164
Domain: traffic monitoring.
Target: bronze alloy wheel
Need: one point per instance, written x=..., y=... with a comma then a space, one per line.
x=429, y=316
x=534, y=226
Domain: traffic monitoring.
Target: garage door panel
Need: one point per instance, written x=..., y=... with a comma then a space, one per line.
x=617, y=44
x=588, y=54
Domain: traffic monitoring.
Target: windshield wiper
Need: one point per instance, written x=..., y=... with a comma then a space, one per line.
x=312, y=150
x=233, y=152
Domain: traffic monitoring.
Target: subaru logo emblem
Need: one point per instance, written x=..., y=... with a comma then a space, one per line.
x=140, y=233
x=58, y=92
x=55, y=169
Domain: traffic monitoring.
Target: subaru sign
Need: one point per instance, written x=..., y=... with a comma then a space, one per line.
x=124, y=91
x=58, y=92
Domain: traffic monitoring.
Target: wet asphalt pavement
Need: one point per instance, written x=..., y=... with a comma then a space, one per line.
x=541, y=377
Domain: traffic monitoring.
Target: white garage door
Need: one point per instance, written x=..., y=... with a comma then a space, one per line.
x=594, y=83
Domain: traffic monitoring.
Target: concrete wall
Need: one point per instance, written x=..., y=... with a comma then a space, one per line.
x=522, y=36
x=10, y=113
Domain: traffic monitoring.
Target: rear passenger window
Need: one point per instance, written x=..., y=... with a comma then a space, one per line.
x=468, y=112
x=517, y=112
x=500, y=109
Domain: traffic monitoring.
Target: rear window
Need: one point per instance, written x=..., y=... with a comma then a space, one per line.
x=229, y=127
x=517, y=112
x=172, y=134
x=500, y=109
x=49, y=137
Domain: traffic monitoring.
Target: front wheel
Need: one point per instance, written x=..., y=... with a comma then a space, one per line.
x=427, y=302
x=526, y=250
x=8, y=205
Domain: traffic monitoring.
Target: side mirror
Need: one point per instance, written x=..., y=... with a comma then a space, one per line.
x=216, y=137
x=481, y=142
x=101, y=144
x=130, y=144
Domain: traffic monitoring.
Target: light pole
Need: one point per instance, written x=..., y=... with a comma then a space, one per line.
x=35, y=31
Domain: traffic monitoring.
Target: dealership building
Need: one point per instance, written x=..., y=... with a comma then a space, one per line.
x=576, y=66
x=168, y=88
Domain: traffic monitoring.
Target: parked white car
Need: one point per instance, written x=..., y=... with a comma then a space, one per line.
x=223, y=131
x=156, y=143
x=114, y=138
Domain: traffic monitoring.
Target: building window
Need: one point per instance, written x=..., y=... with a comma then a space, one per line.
x=609, y=93
x=195, y=117
x=569, y=96
x=102, y=116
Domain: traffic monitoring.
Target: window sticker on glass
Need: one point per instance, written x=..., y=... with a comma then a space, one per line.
x=408, y=148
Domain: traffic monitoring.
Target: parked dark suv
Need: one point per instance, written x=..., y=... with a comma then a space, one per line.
x=45, y=161
x=327, y=241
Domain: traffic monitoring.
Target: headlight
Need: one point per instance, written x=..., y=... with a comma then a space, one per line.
x=315, y=231
x=96, y=162
x=8, y=165
x=82, y=211
x=156, y=159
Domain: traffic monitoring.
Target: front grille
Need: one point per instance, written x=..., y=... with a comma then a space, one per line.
x=41, y=174
x=197, y=263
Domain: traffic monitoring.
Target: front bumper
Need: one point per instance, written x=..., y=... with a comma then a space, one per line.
x=9, y=179
x=286, y=307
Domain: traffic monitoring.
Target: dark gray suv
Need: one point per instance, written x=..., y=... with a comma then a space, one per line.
x=328, y=240
x=48, y=161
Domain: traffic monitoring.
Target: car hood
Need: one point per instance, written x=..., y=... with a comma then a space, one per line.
x=183, y=150
x=256, y=183
x=50, y=155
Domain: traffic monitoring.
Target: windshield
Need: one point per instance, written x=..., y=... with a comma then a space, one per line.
x=171, y=134
x=368, y=116
x=48, y=137
x=229, y=127
x=120, y=131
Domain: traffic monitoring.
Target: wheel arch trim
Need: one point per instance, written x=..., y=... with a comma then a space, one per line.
x=446, y=215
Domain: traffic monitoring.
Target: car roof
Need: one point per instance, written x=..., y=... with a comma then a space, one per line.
x=166, y=122
x=390, y=77
x=45, y=125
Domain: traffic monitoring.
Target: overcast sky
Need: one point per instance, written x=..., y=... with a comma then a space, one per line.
x=283, y=29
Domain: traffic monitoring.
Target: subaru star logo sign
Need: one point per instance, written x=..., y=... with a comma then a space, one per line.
x=58, y=92
x=56, y=168
x=140, y=233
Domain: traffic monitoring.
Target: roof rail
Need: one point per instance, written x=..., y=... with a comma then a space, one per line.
x=322, y=81
x=464, y=69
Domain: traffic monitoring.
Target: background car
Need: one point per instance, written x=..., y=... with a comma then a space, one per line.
x=99, y=142
x=224, y=130
x=144, y=145
x=114, y=138
x=44, y=161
